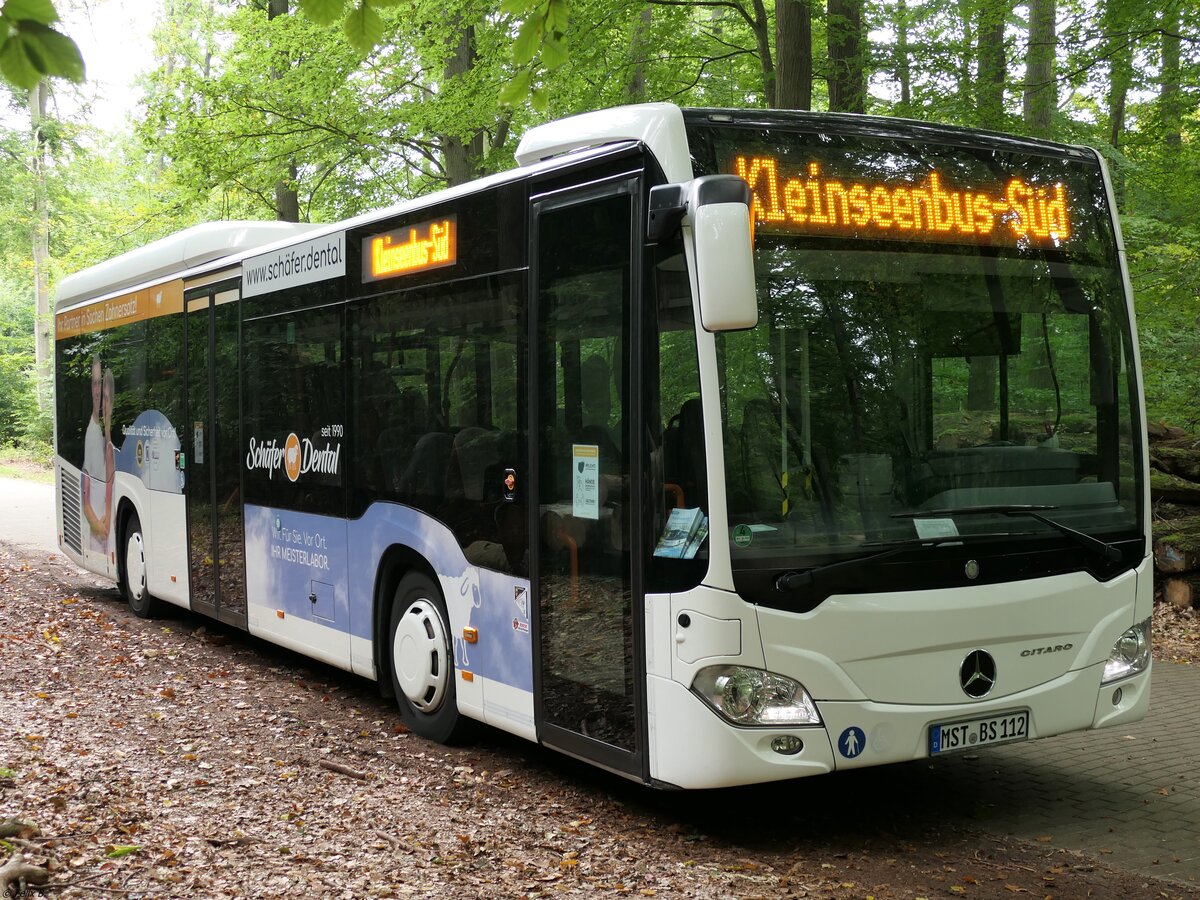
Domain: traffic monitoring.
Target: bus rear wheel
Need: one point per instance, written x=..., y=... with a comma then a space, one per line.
x=422, y=661
x=133, y=571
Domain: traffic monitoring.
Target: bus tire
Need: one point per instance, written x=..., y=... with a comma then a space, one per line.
x=133, y=571
x=422, y=661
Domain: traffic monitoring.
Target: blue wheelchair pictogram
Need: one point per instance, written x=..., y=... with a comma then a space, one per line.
x=852, y=742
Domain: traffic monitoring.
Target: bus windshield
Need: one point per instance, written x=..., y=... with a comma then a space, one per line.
x=941, y=330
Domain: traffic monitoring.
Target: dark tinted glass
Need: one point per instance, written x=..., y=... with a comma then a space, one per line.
x=293, y=424
x=981, y=355
x=134, y=360
x=436, y=409
x=584, y=580
x=678, y=469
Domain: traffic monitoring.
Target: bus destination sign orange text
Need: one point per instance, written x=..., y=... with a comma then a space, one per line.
x=415, y=248
x=812, y=202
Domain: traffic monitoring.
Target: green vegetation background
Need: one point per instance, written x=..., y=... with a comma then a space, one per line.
x=255, y=110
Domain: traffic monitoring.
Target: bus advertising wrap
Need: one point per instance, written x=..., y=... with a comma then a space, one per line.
x=321, y=569
x=307, y=263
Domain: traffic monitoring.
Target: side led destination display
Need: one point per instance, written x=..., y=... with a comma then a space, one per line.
x=813, y=201
x=414, y=248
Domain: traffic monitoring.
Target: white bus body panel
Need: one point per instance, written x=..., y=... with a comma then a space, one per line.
x=657, y=125
x=163, y=518
x=888, y=665
x=906, y=647
x=165, y=534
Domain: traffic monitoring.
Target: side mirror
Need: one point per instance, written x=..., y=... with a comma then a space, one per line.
x=720, y=213
x=718, y=208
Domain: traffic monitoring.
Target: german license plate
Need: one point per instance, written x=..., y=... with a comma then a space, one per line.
x=971, y=733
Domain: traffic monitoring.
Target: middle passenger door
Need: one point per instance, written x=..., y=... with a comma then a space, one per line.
x=584, y=428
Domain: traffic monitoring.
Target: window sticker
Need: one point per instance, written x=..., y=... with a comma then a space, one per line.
x=585, y=481
x=935, y=528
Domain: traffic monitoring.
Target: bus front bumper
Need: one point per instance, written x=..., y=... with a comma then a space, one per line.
x=692, y=747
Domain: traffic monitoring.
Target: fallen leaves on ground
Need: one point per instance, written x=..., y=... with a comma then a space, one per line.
x=176, y=758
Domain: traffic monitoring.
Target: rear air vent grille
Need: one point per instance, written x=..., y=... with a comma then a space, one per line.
x=68, y=489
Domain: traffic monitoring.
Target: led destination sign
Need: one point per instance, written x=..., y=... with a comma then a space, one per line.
x=813, y=202
x=416, y=248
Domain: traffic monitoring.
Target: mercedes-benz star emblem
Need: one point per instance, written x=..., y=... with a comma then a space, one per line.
x=977, y=674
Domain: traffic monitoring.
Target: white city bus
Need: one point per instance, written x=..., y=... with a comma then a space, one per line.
x=709, y=446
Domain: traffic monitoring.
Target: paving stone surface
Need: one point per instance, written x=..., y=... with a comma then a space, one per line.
x=1128, y=795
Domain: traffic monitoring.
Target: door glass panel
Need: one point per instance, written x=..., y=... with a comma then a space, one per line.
x=584, y=583
x=197, y=444
x=230, y=562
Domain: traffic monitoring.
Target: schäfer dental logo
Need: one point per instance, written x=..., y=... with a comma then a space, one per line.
x=291, y=457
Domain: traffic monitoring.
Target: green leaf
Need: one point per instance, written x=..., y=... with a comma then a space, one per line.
x=528, y=39
x=59, y=56
x=364, y=28
x=40, y=11
x=17, y=65
x=554, y=50
x=515, y=7
x=556, y=16
x=323, y=12
x=517, y=88
x=116, y=851
x=539, y=99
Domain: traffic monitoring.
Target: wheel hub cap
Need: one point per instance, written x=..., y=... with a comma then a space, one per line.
x=135, y=566
x=419, y=656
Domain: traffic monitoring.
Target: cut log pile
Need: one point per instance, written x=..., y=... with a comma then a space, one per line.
x=1175, y=494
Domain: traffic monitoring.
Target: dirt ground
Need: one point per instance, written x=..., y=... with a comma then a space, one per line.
x=177, y=758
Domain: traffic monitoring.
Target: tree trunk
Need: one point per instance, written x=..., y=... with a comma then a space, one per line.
x=43, y=320
x=459, y=156
x=1181, y=592
x=981, y=383
x=793, y=54
x=1041, y=88
x=1170, y=105
x=1117, y=23
x=993, y=66
x=762, y=37
x=287, y=196
x=635, y=90
x=901, y=66
x=844, y=31
x=966, y=54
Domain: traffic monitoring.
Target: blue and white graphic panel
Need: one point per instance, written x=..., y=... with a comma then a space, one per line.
x=494, y=603
x=296, y=564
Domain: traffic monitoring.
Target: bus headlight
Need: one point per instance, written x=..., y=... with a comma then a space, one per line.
x=1130, y=654
x=747, y=696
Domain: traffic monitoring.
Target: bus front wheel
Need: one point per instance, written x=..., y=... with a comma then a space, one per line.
x=133, y=572
x=422, y=659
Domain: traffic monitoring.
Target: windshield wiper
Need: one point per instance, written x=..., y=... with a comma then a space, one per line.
x=794, y=581
x=1108, y=552
x=993, y=509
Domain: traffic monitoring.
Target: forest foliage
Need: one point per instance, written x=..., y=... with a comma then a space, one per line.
x=255, y=109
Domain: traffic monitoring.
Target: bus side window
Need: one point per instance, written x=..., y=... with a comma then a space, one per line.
x=678, y=473
x=436, y=391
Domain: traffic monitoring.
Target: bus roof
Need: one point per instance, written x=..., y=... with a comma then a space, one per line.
x=171, y=255
x=887, y=127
